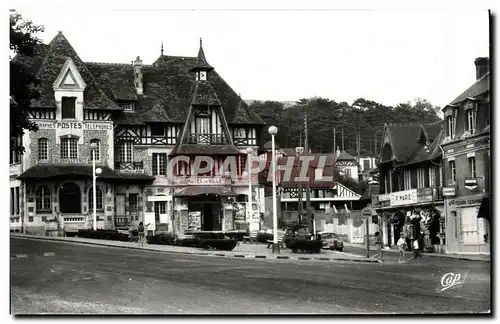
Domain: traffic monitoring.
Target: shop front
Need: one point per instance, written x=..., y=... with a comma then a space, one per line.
x=465, y=231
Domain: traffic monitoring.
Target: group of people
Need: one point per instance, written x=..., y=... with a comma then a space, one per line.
x=141, y=237
x=418, y=247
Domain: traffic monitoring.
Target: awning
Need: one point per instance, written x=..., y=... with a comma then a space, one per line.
x=485, y=209
x=204, y=190
x=78, y=171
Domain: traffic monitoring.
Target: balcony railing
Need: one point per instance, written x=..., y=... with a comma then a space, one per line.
x=130, y=167
x=209, y=139
x=410, y=197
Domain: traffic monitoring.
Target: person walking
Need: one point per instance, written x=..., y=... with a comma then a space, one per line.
x=402, y=248
x=141, y=236
x=417, y=250
x=378, y=245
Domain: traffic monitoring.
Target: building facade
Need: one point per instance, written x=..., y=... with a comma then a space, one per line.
x=410, y=197
x=159, y=135
x=467, y=161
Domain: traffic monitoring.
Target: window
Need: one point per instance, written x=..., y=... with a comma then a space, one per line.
x=159, y=164
x=202, y=125
x=43, y=199
x=12, y=199
x=239, y=133
x=366, y=165
x=125, y=151
x=127, y=106
x=432, y=176
x=43, y=147
x=182, y=168
x=15, y=155
x=453, y=172
x=348, y=172
x=420, y=178
x=472, y=166
x=133, y=202
x=98, y=199
x=97, y=151
x=17, y=201
x=157, y=130
x=68, y=108
x=449, y=130
x=471, y=121
x=69, y=149
x=407, y=180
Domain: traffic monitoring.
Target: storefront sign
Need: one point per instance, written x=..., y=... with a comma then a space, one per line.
x=75, y=125
x=465, y=201
x=424, y=195
x=449, y=191
x=15, y=169
x=384, y=197
x=160, y=198
x=207, y=181
x=405, y=197
x=471, y=184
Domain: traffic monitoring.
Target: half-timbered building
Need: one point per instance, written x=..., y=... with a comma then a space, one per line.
x=134, y=118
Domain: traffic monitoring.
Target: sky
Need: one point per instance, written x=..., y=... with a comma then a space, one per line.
x=389, y=56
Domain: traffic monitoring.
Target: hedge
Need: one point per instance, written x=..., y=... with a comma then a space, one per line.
x=103, y=235
x=306, y=245
x=208, y=235
x=224, y=245
x=161, y=239
x=264, y=237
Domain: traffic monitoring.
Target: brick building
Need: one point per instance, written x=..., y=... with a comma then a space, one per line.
x=139, y=117
x=467, y=163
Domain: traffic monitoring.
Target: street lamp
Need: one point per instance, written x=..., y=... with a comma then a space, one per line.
x=249, y=151
x=273, y=130
x=95, y=173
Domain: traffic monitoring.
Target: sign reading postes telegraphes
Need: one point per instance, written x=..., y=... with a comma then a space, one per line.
x=449, y=191
x=75, y=125
x=405, y=197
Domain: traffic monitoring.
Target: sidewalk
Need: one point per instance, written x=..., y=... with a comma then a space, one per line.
x=256, y=251
x=470, y=257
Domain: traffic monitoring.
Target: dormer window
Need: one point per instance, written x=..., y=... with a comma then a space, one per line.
x=470, y=121
x=68, y=110
x=201, y=76
x=450, y=122
x=127, y=106
x=239, y=133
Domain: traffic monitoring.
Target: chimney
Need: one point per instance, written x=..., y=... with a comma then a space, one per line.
x=138, y=75
x=338, y=151
x=482, y=66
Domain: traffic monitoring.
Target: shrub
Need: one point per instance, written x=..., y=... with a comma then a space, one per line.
x=238, y=236
x=311, y=246
x=161, y=239
x=188, y=242
x=264, y=237
x=209, y=236
x=223, y=245
x=103, y=235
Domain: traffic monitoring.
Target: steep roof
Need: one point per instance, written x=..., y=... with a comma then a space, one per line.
x=478, y=88
x=168, y=86
x=344, y=156
x=404, y=141
x=428, y=153
x=433, y=130
x=201, y=61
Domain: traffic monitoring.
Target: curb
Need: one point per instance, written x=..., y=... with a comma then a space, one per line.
x=239, y=255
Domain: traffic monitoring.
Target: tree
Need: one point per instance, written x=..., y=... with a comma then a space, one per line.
x=25, y=44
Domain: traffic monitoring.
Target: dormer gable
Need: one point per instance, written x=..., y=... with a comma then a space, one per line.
x=69, y=78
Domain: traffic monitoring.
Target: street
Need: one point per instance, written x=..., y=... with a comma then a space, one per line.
x=54, y=277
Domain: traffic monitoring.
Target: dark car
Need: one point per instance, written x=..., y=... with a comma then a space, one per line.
x=292, y=233
x=332, y=242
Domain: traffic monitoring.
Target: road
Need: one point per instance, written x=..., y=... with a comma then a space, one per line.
x=54, y=277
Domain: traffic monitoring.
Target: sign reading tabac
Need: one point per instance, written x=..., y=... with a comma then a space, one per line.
x=75, y=125
x=404, y=197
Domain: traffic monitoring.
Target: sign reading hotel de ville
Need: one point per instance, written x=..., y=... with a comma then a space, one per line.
x=405, y=197
x=75, y=125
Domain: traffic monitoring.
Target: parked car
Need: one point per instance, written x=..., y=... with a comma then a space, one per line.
x=332, y=241
x=296, y=232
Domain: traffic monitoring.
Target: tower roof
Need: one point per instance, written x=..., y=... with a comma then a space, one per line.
x=201, y=61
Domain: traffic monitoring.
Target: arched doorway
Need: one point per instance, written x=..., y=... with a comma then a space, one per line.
x=70, y=200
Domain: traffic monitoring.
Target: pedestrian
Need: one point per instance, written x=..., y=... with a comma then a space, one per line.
x=402, y=248
x=378, y=245
x=141, y=236
x=417, y=253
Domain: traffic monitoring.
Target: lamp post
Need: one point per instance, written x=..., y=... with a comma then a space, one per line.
x=95, y=173
x=273, y=130
x=249, y=151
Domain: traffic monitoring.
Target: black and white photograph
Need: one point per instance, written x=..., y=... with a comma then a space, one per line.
x=250, y=158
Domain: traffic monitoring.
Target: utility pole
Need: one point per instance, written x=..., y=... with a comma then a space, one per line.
x=358, y=144
x=342, y=139
x=310, y=217
x=334, y=144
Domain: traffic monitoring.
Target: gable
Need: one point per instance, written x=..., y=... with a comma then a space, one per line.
x=69, y=77
x=344, y=192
